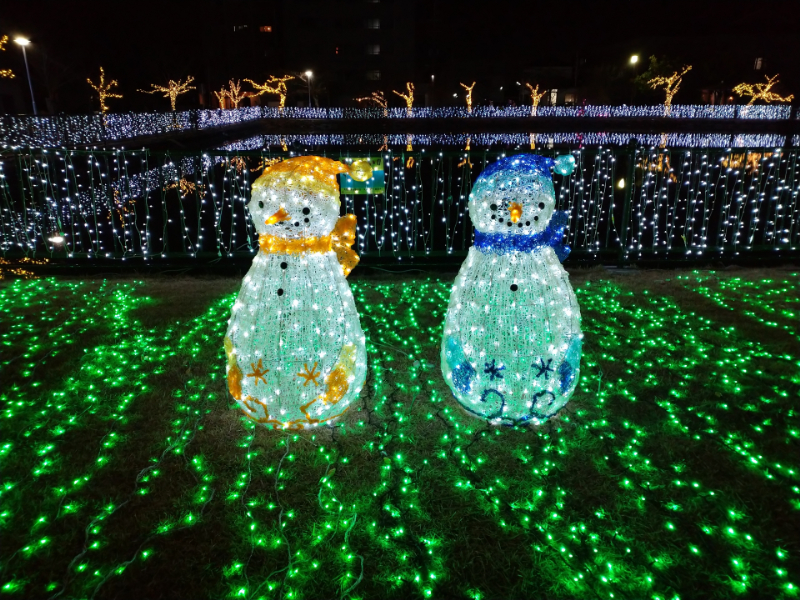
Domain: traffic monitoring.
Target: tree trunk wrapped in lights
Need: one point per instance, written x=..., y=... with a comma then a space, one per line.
x=512, y=341
x=296, y=354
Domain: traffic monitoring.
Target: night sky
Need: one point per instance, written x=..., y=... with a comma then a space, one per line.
x=146, y=41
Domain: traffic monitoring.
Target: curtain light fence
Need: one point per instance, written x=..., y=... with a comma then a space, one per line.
x=625, y=204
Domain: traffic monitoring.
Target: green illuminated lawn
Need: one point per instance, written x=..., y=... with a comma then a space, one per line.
x=127, y=472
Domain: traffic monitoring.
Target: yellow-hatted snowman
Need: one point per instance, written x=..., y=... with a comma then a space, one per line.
x=295, y=349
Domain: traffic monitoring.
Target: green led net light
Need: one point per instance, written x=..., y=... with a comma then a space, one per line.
x=643, y=487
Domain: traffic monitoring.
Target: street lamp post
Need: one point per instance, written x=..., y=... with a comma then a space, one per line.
x=308, y=80
x=24, y=42
x=634, y=61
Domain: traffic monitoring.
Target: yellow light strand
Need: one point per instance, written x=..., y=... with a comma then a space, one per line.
x=670, y=85
x=536, y=96
x=469, y=95
x=5, y=73
x=102, y=88
x=221, y=95
x=270, y=88
x=378, y=99
x=235, y=93
x=408, y=97
x=760, y=91
x=173, y=90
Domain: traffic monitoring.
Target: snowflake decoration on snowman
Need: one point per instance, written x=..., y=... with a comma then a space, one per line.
x=512, y=341
x=296, y=354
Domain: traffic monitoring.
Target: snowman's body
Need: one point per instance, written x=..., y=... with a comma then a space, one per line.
x=512, y=340
x=295, y=348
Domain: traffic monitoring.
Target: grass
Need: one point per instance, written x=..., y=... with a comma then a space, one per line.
x=127, y=471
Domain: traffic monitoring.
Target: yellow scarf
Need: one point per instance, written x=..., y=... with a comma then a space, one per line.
x=340, y=240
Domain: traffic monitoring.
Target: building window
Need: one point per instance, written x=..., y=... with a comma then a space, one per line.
x=374, y=75
x=265, y=29
x=553, y=97
x=758, y=63
x=373, y=49
x=239, y=27
x=373, y=24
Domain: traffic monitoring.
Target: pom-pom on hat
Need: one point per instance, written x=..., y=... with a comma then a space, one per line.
x=538, y=165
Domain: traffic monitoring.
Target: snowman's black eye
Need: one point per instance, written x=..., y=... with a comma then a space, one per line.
x=541, y=204
x=260, y=204
x=514, y=287
x=307, y=210
x=535, y=218
x=493, y=207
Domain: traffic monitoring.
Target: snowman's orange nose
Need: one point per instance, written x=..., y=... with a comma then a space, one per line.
x=515, y=209
x=279, y=216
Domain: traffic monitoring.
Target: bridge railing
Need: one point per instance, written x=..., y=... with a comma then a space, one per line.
x=87, y=130
x=624, y=203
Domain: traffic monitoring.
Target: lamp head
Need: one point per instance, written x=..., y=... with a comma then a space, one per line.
x=22, y=41
x=634, y=59
x=308, y=73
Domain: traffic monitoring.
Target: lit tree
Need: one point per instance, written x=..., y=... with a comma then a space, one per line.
x=408, y=97
x=469, y=96
x=8, y=73
x=378, y=99
x=760, y=91
x=270, y=88
x=102, y=88
x=173, y=90
x=669, y=84
x=221, y=95
x=536, y=96
x=235, y=93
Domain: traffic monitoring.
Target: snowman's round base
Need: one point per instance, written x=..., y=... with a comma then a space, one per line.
x=530, y=421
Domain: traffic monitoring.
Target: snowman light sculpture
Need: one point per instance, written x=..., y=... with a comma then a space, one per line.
x=512, y=341
x=295, y=349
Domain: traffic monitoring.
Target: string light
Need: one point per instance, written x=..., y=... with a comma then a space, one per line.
x=760, y=91
x=102, y=90
x=294, y=321
x=378, y=99
x=221, y=95
x=536, y=96
x=388, y=487
x=507, y=357
x=670, y=85
x=408, y=97
x=5, y=73
x=97, y=129
x=469, y=95
x=173, y=89
x=270, y=88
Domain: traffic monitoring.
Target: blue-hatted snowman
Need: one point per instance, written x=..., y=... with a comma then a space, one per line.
x=512, y=340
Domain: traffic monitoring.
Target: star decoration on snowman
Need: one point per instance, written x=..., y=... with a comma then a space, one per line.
x=512, y=299
x=295, y=307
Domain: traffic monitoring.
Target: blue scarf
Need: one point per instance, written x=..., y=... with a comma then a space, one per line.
x=504, y=243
